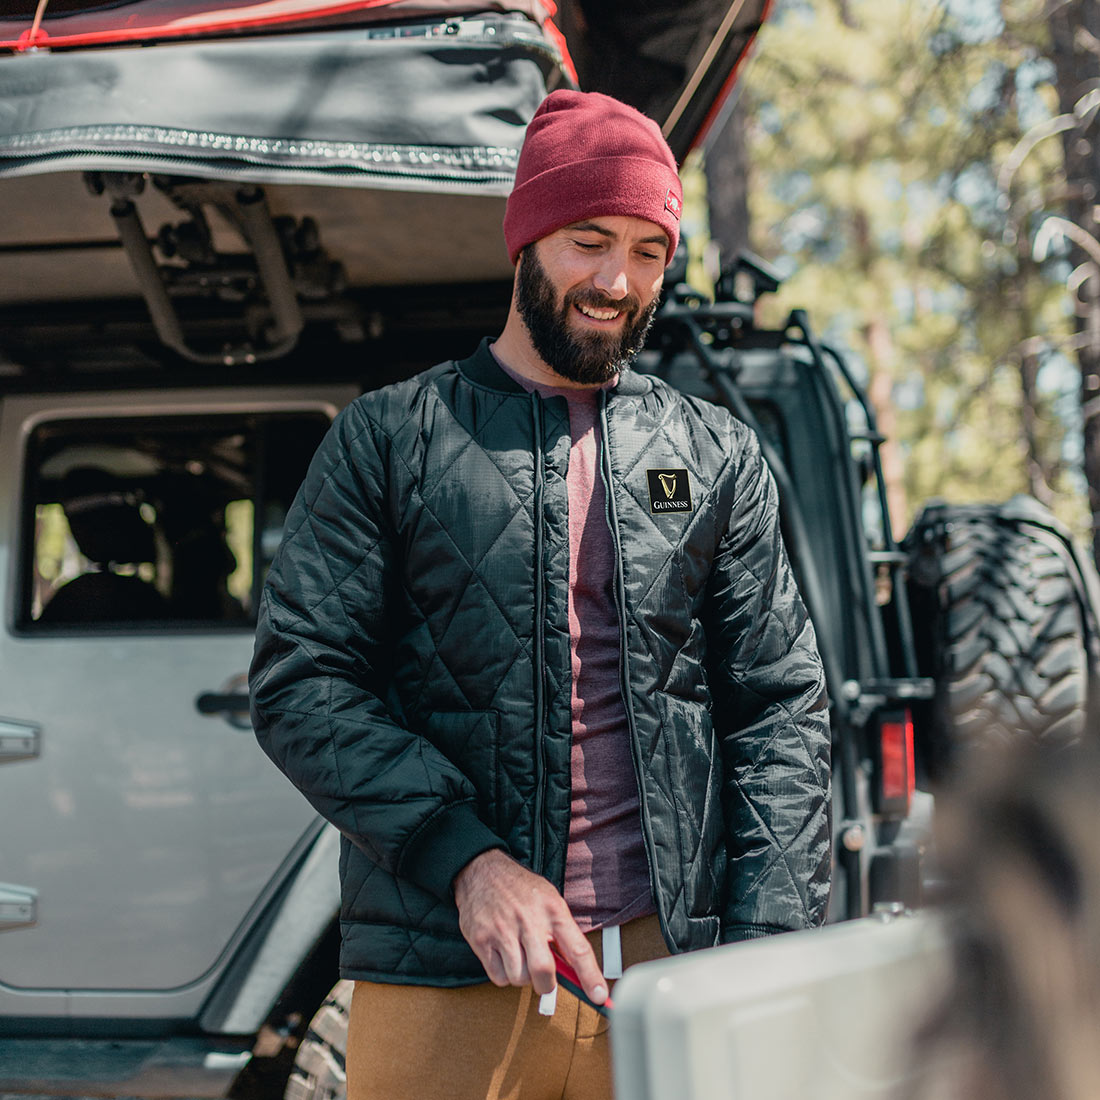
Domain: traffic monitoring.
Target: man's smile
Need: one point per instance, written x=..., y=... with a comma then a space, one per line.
x=597, y=314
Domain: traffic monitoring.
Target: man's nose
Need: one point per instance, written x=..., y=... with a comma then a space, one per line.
x=610, y=278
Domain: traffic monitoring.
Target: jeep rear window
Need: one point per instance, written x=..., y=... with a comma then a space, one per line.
x=152, y=523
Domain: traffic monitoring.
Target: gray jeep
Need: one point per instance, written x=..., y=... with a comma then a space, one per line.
x=219, y=227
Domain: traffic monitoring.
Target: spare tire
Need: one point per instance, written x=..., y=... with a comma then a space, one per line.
x=1004, y=619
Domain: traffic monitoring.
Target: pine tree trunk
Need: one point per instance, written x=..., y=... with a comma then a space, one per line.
x=728, y=185
x=880, y=392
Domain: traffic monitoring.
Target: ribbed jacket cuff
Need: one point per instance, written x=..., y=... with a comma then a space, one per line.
x=445, y=843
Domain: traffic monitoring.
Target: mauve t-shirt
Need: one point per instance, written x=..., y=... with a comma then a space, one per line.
x=606, y=871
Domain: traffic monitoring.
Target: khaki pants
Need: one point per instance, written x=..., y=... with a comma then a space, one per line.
x=481, y=1042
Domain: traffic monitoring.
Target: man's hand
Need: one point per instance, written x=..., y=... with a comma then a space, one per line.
x=509, y=915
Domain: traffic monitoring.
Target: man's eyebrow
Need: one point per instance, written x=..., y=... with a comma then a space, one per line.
x=592, y=227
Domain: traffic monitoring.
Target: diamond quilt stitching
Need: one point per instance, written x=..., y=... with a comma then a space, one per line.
x=778, y=855
x=446, y=467
x=336, y=584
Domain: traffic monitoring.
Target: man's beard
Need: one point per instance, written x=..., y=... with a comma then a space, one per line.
x=590, y=358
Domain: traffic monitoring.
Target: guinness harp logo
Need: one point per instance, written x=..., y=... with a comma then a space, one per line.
x=669, y=491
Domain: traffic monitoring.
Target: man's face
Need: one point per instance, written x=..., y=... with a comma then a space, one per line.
x=587, y=294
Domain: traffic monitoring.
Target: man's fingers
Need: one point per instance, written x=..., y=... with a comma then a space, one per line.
x=540, y=965
x=522, y=976
x=575, y=949
x=515, y=965
x=494, y=967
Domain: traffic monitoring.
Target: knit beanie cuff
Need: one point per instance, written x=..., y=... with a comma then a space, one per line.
x=631, y=186
x=587, y=155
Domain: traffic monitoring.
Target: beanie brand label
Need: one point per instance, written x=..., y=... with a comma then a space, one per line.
x=669, y=491
x=673, y=203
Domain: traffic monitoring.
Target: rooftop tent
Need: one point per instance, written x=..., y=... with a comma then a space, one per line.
x=372, y=144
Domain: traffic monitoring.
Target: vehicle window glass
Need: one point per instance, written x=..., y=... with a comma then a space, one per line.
x=142, y=523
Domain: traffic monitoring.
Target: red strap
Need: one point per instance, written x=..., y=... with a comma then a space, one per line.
x=568, y=978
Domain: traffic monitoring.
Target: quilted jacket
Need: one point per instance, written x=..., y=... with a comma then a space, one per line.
x=412, y=666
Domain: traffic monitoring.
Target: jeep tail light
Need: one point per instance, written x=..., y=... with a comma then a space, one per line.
x=897, y=772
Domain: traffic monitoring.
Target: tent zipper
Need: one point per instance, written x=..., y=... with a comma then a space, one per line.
x=497, y=170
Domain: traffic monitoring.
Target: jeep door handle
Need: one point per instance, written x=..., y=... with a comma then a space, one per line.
x=216, y=702
x=229, y=702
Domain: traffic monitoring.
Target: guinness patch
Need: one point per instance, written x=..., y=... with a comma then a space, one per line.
x=669, y=491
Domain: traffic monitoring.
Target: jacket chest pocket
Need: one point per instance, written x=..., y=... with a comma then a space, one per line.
x=470, y=739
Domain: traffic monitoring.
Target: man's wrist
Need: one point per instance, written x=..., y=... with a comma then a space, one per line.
x=470, y=869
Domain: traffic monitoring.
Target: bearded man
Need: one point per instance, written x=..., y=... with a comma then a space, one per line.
x=532, y=643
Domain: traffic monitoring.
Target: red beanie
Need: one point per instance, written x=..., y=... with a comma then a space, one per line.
x=587, y=155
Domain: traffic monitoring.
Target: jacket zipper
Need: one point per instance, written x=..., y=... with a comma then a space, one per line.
x=624, y=669
x=540, y=655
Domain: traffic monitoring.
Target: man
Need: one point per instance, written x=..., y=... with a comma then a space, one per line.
x=533, y=644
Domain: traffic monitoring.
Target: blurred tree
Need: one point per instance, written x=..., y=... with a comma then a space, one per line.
x=878, y=130
x=1075, y=51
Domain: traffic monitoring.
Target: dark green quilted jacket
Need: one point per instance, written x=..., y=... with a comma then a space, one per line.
x=412, y=667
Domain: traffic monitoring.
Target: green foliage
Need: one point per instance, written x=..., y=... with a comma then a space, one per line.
x=693, y=225
x=878, y=130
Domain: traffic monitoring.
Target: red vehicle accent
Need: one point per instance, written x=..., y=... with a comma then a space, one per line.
x=186, y=22
x=727, y=85
x=897, y=771
x=219, y=22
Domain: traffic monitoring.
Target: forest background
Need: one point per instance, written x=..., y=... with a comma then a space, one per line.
x=924, y=175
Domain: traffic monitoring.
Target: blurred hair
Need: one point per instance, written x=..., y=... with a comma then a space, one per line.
x=1019, y=838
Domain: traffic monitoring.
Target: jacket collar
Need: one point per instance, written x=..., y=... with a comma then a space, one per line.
x=482, y=369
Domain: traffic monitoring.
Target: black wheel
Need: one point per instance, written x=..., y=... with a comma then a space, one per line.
x=318, y=1072
x=1004, y=620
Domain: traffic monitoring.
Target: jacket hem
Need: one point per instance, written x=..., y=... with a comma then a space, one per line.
x=736, y=933
x=381, y=977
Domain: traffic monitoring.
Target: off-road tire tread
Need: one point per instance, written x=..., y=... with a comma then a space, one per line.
x=318, y=1072
x=1008, y=654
